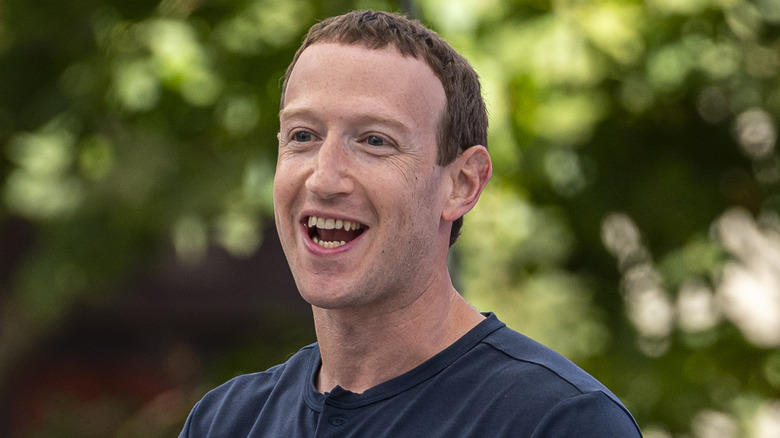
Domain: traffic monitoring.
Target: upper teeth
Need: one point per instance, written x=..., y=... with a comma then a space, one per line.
x=331, y=224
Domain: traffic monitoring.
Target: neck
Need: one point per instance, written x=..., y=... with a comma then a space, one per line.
x=361, y=349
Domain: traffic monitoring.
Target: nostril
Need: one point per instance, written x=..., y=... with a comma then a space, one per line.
x=328, y=182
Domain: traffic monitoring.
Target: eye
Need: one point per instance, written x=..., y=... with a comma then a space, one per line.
x=374, y=140
x=302, y=136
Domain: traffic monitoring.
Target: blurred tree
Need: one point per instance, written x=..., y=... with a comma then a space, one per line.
x=646, y=130
x=632, y=222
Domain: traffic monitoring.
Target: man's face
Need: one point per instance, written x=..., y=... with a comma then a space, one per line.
x=358, y=195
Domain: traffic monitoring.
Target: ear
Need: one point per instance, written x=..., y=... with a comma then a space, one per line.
x=470, y=173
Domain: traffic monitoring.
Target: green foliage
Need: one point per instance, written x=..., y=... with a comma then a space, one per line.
x=634, y=148
x=632, y=222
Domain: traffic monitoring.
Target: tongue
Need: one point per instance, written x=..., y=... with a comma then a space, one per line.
x=337, y=235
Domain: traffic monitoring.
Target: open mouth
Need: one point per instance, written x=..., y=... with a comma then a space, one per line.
x=333, y=233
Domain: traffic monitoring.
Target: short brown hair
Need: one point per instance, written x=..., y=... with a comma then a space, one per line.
x=464, y=120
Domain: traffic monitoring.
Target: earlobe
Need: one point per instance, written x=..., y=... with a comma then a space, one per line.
x=470, y=173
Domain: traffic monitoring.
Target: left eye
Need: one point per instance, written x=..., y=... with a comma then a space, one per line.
x=373, y=140
x=302, y=136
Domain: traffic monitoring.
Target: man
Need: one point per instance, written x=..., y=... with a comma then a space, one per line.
x=381, y=153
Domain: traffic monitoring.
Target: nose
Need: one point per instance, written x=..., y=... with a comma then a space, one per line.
x=330, y=176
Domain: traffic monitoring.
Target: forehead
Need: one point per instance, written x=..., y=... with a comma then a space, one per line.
x=328, y=76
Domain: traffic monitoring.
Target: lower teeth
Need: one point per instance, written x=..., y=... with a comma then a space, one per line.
x=327, y=244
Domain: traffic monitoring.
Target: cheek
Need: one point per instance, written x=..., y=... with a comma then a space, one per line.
x=279, y=208
x=419, y=206
x=285, y=178
x=284, y=198
x=432, y=193
x=279, y=195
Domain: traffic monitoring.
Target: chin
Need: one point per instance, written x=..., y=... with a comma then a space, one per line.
x=329, y=300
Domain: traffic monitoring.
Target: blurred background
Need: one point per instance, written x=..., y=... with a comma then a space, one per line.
x=633, y=221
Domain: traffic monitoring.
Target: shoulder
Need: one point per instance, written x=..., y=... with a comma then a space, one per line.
x=240, y=399
x=563, y=394
x=527, y=355
x=591, y=414
x=256, y=385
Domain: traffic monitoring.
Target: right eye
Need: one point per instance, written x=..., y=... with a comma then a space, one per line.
x=302, y=136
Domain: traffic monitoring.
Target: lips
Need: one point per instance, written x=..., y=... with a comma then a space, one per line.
x=333, y=232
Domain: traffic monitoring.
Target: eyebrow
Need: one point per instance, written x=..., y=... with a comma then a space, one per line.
x=379, y=119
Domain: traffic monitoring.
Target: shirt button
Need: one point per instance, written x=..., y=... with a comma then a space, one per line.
x=337, y=421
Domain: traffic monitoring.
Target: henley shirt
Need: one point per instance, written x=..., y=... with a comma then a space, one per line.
x=492, y=382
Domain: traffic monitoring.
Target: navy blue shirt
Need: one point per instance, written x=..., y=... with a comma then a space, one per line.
x=493, y=382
